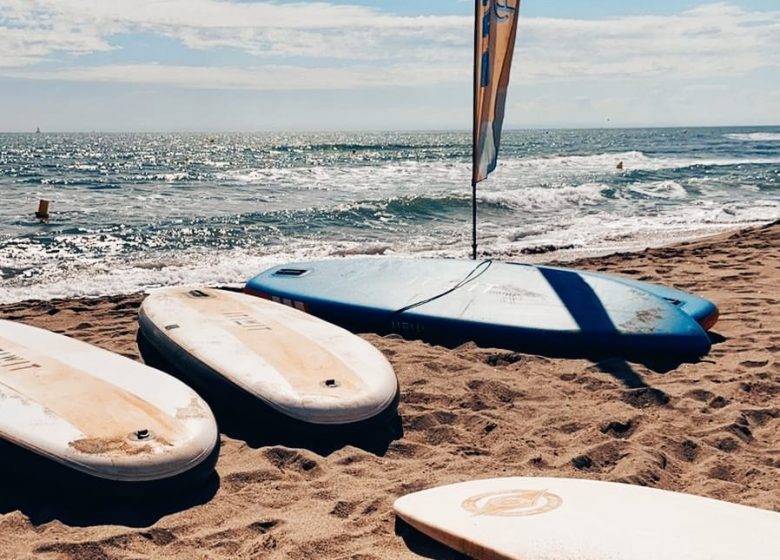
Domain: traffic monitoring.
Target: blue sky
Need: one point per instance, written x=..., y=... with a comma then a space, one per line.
x=210, y=65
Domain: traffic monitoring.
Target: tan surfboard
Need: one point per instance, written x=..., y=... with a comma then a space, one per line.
x=98, y=413
x=298, y=365
x=569, y=519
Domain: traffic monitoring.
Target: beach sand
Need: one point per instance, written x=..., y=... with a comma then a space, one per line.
x=710, y=428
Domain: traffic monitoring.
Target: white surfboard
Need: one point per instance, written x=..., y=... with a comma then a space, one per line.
x=569, y=519
x=99, y=413
x=298, y=365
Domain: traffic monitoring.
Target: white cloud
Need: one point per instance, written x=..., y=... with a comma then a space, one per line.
x=320, y=45
x=711, y=40
x=28, y=36
x=261, y=29
x=261, y=78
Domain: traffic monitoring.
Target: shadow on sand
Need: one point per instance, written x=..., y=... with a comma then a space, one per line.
x=623, y=372
x=261, y=428
x=423, y=545
x=43, y=500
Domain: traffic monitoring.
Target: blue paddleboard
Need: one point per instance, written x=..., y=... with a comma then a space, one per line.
x=523, y=307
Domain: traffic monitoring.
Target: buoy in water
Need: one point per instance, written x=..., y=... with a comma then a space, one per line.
x=43, y=210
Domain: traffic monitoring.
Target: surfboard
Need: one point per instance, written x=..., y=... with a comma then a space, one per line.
x=297, y=365
x=98, y=414
x=568, y=519
x=528, y=308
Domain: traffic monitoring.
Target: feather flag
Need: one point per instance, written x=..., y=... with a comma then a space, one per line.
x=494, y=42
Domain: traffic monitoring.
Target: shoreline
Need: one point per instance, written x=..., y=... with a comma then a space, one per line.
x=710, y=428
x=562, y=254
x=538, y=254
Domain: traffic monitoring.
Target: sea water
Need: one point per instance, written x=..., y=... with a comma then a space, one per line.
x=134, y=211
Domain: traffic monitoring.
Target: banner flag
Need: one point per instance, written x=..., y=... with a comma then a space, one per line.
x=494, y=43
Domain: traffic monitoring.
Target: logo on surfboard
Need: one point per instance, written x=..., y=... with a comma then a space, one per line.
x=512, y=503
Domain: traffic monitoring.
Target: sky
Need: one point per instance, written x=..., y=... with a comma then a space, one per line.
x=246, y=65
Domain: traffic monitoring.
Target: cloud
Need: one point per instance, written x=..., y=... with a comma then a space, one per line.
x=261, y=29
x=29, y=35
x=330, y=46
x=261, y=78
x=708, y=41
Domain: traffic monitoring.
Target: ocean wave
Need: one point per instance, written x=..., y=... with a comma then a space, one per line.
x=593, y=195
x=87, y=277
x=411, y=177
x=547, y=198
x=605, y=233
x=755, y=136
x=660, y=189
x=373, y=146
x=609, y=163
x=381, y=214
x=169, y=177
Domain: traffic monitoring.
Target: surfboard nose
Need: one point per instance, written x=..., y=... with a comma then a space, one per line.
x=124, y=437
x=98, y=413
x=339, y=409
x=143, y=455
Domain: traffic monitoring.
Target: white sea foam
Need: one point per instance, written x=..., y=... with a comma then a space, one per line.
x=396, y=179
x=599, y=234
x=755, y=136
x=546, y=198
x=660, y=189
x=607, y=163
x=171, y=177
x=90, y=277
x=111, y=276
x=581, y=234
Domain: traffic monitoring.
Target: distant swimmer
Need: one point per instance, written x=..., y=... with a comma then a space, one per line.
x=620, y=165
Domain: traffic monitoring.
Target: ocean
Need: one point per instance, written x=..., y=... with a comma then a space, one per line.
x=135, y=211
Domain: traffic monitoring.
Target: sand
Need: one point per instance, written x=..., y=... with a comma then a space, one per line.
x=710, y=428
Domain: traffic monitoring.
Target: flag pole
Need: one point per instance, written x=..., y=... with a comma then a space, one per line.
x=474, y=125
x=473, y=220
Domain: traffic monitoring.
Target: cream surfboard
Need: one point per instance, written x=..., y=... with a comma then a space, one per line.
x=100, y=415
x=569, y=519
x=291, y=362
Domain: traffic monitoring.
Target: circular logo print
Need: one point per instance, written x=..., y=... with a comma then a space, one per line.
x=512, y=503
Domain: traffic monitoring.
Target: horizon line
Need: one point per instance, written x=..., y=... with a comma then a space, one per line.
x=382, y=130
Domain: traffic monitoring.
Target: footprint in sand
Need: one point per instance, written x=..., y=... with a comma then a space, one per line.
x=645, y=397
x=602, y=457
x=754, y=363
x=688, y=450
x=618, y=429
